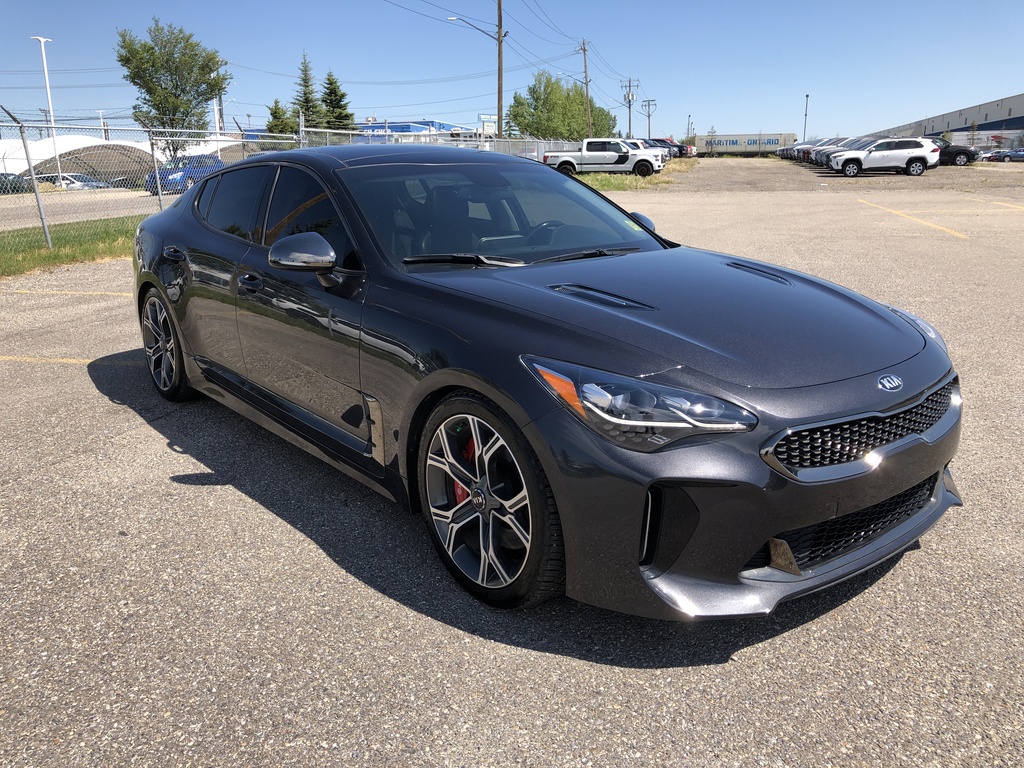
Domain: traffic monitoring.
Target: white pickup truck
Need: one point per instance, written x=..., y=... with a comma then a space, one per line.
x=606, y=156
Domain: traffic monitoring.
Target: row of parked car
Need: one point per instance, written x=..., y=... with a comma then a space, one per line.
x=856, y=154
x=176, y=175
x=1003, y=155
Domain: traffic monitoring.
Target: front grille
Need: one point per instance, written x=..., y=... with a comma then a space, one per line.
x=814, y=544
x=853, y=440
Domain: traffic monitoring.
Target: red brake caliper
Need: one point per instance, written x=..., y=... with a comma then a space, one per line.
x=461, y=491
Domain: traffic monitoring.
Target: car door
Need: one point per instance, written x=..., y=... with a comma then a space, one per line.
x=879, y=156
x=208, y=259
x=299, y=332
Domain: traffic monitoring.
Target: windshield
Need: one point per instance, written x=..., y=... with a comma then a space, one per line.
x=176, y=163
x=503, y=212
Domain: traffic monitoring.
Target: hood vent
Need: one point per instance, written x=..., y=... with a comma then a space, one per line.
x=760, y=272
x=595, y=296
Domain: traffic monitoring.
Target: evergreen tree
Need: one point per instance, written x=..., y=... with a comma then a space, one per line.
x=281, y=119
x=306, y=100
x=337, y=114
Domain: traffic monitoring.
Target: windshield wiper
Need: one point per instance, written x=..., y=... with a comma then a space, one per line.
x=591, y=254
x=463, y=258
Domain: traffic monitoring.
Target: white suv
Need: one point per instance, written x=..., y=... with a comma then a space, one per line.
x=910, y=156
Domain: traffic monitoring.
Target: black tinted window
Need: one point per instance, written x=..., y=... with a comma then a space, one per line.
x=301, y=204
x=233, y=208
x=206, y=196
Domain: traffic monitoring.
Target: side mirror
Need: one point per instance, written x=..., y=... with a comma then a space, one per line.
x=643, y=220
x=304, y=252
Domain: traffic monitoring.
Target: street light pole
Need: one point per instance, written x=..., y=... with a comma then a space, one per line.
x=807, y=99
x=496, y=38
x=49, y=106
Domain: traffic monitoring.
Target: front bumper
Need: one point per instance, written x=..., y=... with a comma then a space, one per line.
x=702, y=530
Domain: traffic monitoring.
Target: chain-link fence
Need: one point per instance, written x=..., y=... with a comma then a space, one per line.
x=70, y=183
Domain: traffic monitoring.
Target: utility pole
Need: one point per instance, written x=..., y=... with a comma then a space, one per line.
x=586, y=88
x=629, y=98
x=501, y=35
x=498, y=38
x=647, y=106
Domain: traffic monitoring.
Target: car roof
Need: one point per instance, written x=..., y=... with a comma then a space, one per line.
x=357, y=155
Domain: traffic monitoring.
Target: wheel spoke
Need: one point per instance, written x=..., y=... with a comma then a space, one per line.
x=447, y=464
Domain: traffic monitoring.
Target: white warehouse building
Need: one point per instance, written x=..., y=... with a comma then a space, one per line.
x=994, y=123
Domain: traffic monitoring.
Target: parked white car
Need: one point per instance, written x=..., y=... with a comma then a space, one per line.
x=910, y=156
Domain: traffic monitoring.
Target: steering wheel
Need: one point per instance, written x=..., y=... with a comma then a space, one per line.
x=536, y=237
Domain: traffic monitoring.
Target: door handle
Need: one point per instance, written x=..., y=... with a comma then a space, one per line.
x=250, y=283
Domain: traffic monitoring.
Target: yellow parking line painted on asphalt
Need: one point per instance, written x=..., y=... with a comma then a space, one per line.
x=77, y=293
x=918, y=221
x=1009, y=205
x=62, y=360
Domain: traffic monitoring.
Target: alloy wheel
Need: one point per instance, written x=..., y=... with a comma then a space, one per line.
x=477, y=501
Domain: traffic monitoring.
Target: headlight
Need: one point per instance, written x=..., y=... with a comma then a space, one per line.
x=923, y=326
x=175, y=176
x=637, y=414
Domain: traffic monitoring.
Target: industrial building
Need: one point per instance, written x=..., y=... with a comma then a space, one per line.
x=998, y=123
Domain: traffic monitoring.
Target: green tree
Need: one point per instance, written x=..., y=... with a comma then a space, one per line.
x=552, y=111
x=306, y=100
x=337, y=114
x=281, y=119
x=177, y=78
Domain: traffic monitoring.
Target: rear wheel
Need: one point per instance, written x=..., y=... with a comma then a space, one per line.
x=851, y=168
x=489, y=508
x=567, y=169
x=915, y=167
x=163, y=352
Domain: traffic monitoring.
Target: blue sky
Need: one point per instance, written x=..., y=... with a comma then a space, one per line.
x=741, y=67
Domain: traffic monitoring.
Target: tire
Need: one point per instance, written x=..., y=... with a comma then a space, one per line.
x=163, y=349
x=488, y=505
x=643, y=169
x=961, y=159
x=851, y=168
x=915, y=167
x=567, y=169
x=1006, y=159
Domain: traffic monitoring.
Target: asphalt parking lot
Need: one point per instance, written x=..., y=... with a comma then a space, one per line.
x=180, y=588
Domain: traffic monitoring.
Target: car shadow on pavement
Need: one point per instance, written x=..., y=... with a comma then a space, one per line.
x=389, y=550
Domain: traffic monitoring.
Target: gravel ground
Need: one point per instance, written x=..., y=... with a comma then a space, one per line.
x=180, y=588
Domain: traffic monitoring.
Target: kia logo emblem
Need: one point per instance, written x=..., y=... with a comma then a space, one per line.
x=890, y=383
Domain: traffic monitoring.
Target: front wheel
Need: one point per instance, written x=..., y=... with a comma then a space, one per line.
x=851, y=168
x=1006, y=159
x=915, y=167
x=489, y=508
x=961, y=158
x=643, y=170
x=163, y=351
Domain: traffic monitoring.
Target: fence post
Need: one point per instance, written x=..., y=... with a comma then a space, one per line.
x=156, y=166
x=35, y=182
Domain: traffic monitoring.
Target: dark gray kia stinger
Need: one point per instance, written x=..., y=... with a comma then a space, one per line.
x=575, y=404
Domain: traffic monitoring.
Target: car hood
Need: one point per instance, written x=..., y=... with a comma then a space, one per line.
x=737, y=320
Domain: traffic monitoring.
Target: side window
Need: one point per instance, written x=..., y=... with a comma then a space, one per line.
x=235, y=200
x=301, y=204
x=206, y=196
